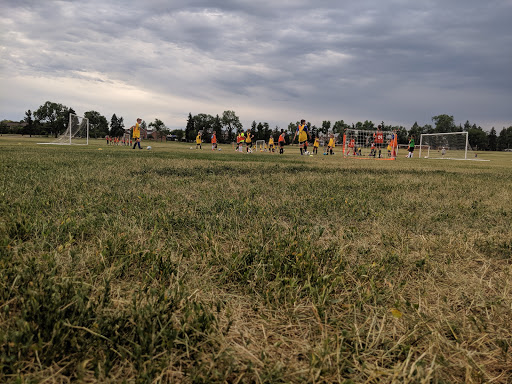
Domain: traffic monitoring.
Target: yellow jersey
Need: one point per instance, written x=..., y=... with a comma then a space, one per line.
x=271, y=141
x=198, y=139
x=316, y=143
x=136, y=131
x=331, y=142
x=303, y=135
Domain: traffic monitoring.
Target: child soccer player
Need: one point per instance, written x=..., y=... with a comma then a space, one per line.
x=281, y=142
x=214, y=141
x=198, y=140
x=330, y=146
x=248, y=141
x=302, y=131
x=271, y=144
x=411, y=148
x=136, y=133
x=373, y=152
x=316, y=144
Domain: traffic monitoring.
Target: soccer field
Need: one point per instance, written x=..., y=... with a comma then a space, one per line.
x=179, y=265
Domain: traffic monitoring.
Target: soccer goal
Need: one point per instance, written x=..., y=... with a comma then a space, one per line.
x=260, y=145
x=77, y=132
x=368, y=144
x=449, y=145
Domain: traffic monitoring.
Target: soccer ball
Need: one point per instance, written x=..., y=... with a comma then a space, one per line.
x=426, y=157
x=306, y=153
x=148, y=147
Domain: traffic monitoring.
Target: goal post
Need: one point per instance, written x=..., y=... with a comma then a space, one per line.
x=447, y=145
x=370, y=144
x=260, y=145
x=77, y=132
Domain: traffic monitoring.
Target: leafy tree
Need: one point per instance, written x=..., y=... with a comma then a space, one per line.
x=190, y=129
x=493, y=140
x=204, y=123
x=444, y=123
x=339, y=127
x=232, y=122
x=53, y=116
x=98, y=124
x=326, y=126
x=29, y=128
x=477, y=138
x=415, y=130
x=505, y=139
x=292, y=127
x=116, y=126
x=160, y=129
x=368, y=125
x=179, y=133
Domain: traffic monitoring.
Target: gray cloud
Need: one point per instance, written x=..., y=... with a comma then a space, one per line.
x=392, y=61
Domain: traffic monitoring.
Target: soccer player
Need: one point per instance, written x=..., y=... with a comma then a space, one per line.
x=330, y=146
x=214, y=141
x=379, y=140
x=248, y=141
x=281, y=142
x=316, y=144
x=302, y=131
x=411, y=148
x=271, y=144
x=136, y=133
x=198, y=140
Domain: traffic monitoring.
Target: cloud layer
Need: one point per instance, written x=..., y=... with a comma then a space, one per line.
x=395, y=61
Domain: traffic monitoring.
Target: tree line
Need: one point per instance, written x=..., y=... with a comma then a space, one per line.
x=51, y=119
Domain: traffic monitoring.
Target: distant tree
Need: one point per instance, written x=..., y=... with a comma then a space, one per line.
x=368, y=125
x=190, y=129
x=204, y=123
x=116, y=126
x=477, y=138
x=292, y=127
x=505, y=139
x=339, y=127
x=326, y=126
x=29, y=128
x=266, y=132
x=259, y=131
x=179, y=133
x=444, y=123
x=98, y=124
x=160, y=129
x=232, y=122
x=53, y=116
x=492, y=140
x=415, y=130
x=401, y=133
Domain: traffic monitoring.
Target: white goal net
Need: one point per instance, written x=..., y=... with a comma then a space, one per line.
x=370, y=144
x=77, y=132
x=449, y=145
x=261, y=145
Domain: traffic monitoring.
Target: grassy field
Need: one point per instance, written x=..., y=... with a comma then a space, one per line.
x=177, y=265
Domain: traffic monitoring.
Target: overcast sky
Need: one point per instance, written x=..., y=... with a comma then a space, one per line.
x=274, y=61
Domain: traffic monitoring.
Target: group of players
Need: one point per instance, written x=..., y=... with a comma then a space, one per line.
x=245, y=140
x=302, y=133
